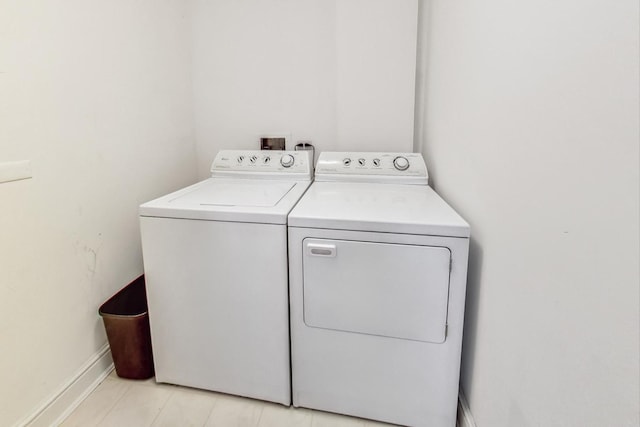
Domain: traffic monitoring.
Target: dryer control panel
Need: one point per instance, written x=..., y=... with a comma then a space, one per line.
x=401, y=168
x=270, y=164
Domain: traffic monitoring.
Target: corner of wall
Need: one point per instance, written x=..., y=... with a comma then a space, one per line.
x=465, y=419
x=60, y=404
x=421, y=76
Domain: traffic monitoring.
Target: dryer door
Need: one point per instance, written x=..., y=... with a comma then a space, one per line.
x=390, y=290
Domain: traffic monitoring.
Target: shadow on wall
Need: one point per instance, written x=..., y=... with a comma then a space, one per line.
x=471, y=311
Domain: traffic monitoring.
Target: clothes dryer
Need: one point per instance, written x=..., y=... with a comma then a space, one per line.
x=215, y=260
x=377, y=270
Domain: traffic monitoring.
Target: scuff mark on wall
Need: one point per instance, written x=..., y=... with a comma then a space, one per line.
x=89, y=253
x=91, y=258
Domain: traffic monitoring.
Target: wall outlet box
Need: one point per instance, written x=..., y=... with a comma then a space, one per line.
x=273, y=142
x=14, y=171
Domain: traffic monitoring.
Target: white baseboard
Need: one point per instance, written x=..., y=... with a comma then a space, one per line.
x=67, y=398
x=465, y=419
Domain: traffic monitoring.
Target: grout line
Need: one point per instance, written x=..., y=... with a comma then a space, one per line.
x=163, y=407
x=215, y=403
x=127, y=388
x=260, y=416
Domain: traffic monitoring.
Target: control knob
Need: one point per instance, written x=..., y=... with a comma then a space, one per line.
x=240, y=159
x=266, y=160
x=346, y=161
x=401, y=163
x=361, y=162
x=253, y=159
x=376, y=162
x=287, y=160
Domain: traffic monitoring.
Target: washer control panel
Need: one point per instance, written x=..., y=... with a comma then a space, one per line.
x=262, y=162
x=365, y=166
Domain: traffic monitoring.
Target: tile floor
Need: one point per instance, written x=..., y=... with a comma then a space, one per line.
x=129, y=403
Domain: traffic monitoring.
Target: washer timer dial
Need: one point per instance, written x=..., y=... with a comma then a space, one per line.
x=287, y=160
x=401, y=163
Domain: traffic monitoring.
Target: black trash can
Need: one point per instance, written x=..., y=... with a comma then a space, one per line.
x=126, y=320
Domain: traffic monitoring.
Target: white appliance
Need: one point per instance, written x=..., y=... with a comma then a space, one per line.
x=377, y=270
x=215, y=260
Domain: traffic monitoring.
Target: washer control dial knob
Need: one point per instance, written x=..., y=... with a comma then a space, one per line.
x=401, y=163
x=253, y=159
x=376, y=162
x=346, y=161
x=240, y=159
x=266, y=160
x=287, y=160
x=362, y=162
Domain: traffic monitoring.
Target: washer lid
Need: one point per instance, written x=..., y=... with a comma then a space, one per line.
x=230, y=199
x=389, y=208
x=235, y=193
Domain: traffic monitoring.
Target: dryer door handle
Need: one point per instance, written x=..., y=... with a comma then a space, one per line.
x=317, y=249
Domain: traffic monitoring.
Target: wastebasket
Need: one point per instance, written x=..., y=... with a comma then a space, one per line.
x=126, y=320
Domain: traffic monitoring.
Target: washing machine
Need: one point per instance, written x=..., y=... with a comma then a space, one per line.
x=377, y=270
x=215, y=261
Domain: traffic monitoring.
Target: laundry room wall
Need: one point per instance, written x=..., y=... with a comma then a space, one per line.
x=530, y=127
x=339, y=73
x=97, y=95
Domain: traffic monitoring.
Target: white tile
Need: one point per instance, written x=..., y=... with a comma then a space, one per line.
x=138, y=407
x=186, y=408
x=326, y=419
x=274, y=415
x=134, y=403
x=231, y=411
x=96, y=406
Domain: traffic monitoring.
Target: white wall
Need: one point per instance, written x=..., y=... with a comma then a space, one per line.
x=98, y=95
x=339, y=73
x=531, y=130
